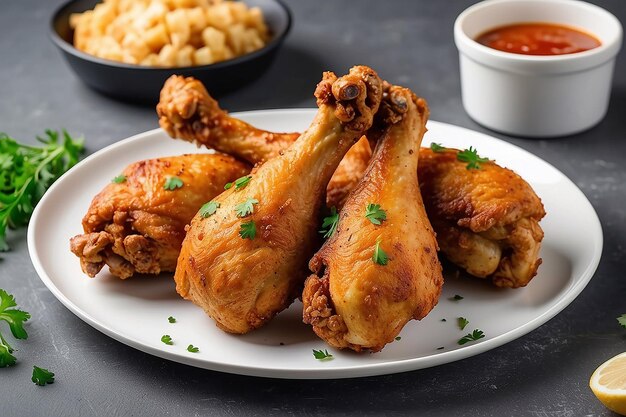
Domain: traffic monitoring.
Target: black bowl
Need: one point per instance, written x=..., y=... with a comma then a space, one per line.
x=142, y=84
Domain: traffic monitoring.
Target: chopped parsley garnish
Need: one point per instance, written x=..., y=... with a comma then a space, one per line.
x=329, y=225
x=192, y=349
x=239, y=183
x=456, y=297
x=436, y=147
x=248, y=230
x=622, y=320
x=26, y=172
x=42, y=376
x=166, y=338
x=462, y=322
x=119, y=179
x=322, y=354
x=471, y=157
x=471, y=337
x=375, y=214
x=246, y=208
x=444, y=320
x=398, y=338
x=171, y=319
x=209, y=209
x=172, y=183
x=15, y=319
x=440, y=348
x=379, y=257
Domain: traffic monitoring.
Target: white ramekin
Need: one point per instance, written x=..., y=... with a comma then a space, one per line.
x=536, y=96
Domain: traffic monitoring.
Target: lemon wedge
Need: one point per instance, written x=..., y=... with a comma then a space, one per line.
x=608, y=383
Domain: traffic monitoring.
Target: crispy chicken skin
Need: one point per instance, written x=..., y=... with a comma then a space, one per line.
x=243, y=281
x=487, y=219
x=351, y=300
x=187, y=111
x=137, y=226
x=508, y=255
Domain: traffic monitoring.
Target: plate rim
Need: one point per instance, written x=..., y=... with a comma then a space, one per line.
x=381, y=368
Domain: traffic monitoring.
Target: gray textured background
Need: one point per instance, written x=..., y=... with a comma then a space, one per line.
x=545, y=373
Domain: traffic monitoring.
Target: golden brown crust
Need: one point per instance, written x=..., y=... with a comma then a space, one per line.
x=137, y=226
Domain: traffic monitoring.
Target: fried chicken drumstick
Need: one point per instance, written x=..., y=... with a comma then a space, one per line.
x=247, y=260
x=370, y=278
x=137, y=226
x=481, y=226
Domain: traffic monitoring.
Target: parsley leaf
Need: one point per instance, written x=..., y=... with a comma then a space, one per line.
x=456, y=297
x=192, y=349
x=462, y=322
x=398, y=338
x=171, y=319
x=246, y=208
x=119, y=179
x=42, y=376
x=622, y=320
x=248, y=230
x=15, y=318
x=172, y=183
x=167, y=339
x=436, y=147
x=471, y=337
x=375, y=214
x=239, y=183
x=26, y=172
x=209, y=209
x=471, y=157
x=329, y=224
x=379, y=257
x=322, y=355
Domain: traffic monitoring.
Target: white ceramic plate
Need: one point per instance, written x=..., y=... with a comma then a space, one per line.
x=135, y=311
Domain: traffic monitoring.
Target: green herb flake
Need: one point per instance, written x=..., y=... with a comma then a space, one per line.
x=42, y=376
x=436, y=147
x=444, y=320
x=167, y=339
x=192, y=349
x=622, y=320
x=398, y=338
x=322, y=355
x=471, y=157
x=247, y=230
x=228, y=186
x=15, y=319
x=119, y=179
x=171, y=319
x=456, y=297
x=471, y=337
x=440, y=348
x=329, y=224
x=375, y=214
x=462, y=322
x=26, y=172
x=246, y=208
x=379, y=257
x=172, y=183
x=209, y=209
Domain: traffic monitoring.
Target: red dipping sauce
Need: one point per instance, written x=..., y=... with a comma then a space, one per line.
x=538, y=39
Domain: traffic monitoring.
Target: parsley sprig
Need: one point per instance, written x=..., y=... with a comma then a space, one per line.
x=462, y=322
x=471, y=337
x=119, y=179
x=375, y=214
x=436, y=147
x=167, y=339
x=379, y=257
x=193, y=349
x=238, y=183
x=471, y=157
x=26, y=172
x=15, y=318
x=329, y=224
x=322, y=355
x=209, y=209
x=172, y=183
x=246, y=208
x=247, y=230
x=42, y=376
